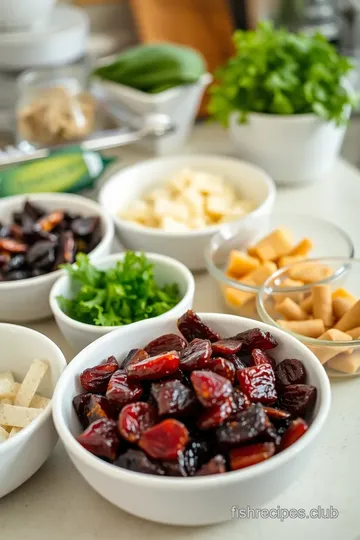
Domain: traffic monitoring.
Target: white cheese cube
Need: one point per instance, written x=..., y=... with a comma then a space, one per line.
x=171, y=225
x=12, y=415
x=30, y=383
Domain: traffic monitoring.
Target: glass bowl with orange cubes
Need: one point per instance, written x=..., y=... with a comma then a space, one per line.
x=322, y=312
x=244, y=254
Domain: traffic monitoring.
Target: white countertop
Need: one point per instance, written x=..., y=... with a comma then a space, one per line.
x=57, y=504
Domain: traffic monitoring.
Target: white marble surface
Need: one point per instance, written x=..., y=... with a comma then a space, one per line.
x=57, y=504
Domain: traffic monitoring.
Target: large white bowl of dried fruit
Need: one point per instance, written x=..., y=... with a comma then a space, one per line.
x=174, y=205
x=30, y=366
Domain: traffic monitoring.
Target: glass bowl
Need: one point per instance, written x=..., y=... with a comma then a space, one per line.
x=328, y=240
x=339, y=350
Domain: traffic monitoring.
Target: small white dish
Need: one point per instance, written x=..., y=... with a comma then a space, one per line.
x=180, y=104
x=166, y=270
x=28, y=299
x=24, y=15
x=251, y=182
x=198, y=500
x=61, y=41
x=22, y=455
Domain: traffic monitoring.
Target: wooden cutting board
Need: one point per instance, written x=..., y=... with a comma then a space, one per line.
x=205, y=25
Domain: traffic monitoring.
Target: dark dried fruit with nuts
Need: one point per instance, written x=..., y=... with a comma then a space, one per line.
x=210, y=388
x=244, y=428
x=96, y=379
x=222, y=367
x=289, y=371
x=196, y=355
x=134, y=419
x=216, y=465
x=154, y=367
x=121, y=390
x=226, y=347
x=298, y=399
x=256, y=339
x=258, y=383
x=250, y=455
x=191, y=327
x=180, y=410
x=164, y=440
x=173, y=398
x=101, y=439
x=138, y=461
x=47, y=239
x=296, y=430
x=165, y=343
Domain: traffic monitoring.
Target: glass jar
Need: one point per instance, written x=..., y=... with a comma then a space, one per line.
x=54, y=106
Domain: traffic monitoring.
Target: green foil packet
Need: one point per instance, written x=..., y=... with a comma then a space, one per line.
x=67, y=171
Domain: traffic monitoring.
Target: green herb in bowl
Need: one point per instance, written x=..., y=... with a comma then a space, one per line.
x=116, y=296
x=278, y=72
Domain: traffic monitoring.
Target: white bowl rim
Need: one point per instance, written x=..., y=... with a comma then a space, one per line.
x=38, y=197
x=153, y=258
x=26, y=432
x=198, y=483
x=206, y=231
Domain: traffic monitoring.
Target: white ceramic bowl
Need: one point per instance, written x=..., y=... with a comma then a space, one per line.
x=166, y=270
x=24, y=14
x=28, y=299
x=133, y=182
x=22, y=455
x=188, y=501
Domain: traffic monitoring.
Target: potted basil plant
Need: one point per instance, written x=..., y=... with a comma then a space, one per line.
x=286, y=102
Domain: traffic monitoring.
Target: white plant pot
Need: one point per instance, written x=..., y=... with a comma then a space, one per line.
x=293, y=149
x=180, y=103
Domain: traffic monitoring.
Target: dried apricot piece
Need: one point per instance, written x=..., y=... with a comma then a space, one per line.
x=196, y=355
x=121, y=390
x=258, y=383
x=134, y=419
x=154, y=367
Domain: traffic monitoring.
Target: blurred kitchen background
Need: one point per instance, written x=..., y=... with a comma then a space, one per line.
x=206, y=25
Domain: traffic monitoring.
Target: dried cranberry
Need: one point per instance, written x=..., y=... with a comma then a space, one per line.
x=256, y=339
x=155, y=367
x=134, y=419
x=79, y=403
x=236, y=362
x=246, y=426
x=262, y=357
x=258, y=382
x=173, y=397
x=222, y=367
x=196, y=355
x=191, y=327
x=164, y=440
x=296, y=430
x=188, y=460
x=210, y=388
x=168, y=342
x=99, y=407
x=250, y=455
x=134, y=356
x=216, y=415
x=241, y=401
x=121, y=390
x=138, y=461
x=216, y=465
x=289, y=371
x=96, y=379
x=101, y=439
x=298, y=399
x=226, y=347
